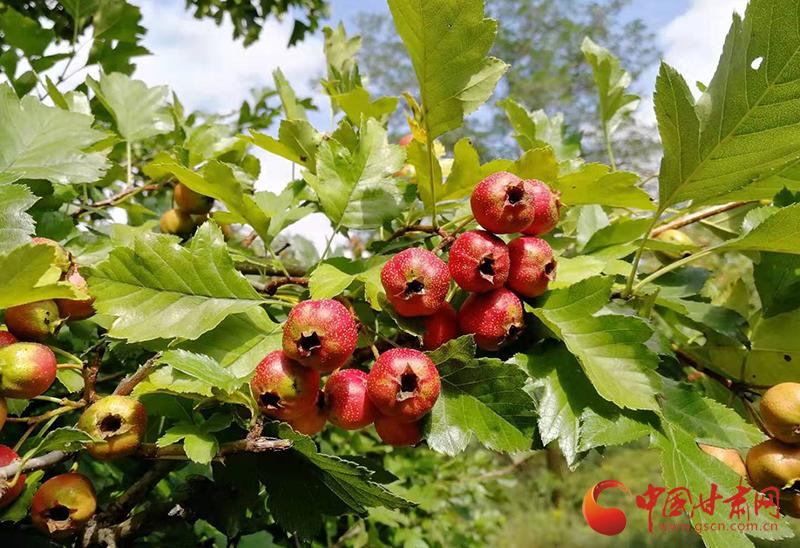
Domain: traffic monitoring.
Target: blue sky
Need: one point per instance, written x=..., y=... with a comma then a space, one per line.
x=208, y=70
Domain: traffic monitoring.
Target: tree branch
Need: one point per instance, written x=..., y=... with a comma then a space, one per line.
x=452, y=235
x=115, y=199
x=272, y=287
x=90, y=377
x=137, y=491
x=127, y=384
x=428, y=229
x=694, y=217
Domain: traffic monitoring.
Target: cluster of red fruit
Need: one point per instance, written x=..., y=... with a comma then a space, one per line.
x=319, y=337
x=179, y=220
x=416, y=281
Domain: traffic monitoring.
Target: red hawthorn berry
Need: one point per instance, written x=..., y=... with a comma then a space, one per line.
x=503, y=203
x=320, y=334
x=548, y=209
x=404, y=383
x=346, y=400
x=479, y=261
x=532, y=266
x=494, y=318
x=416, y=282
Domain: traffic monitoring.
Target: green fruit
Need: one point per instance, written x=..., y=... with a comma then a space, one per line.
x=773, y=464
x=675, y=237
x=120, y=421
x=26, y=370
x=175, y=221
x=780, y=411
x=33, y=321
x=71, y=309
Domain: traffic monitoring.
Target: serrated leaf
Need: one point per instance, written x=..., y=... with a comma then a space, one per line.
x=612, y=81
x=685, y=465
x=743, y=129
x=117, y=35
x=239, y=342
x=448, y=43
x=604, y=426
x=358, y=104
x=24, y=33
x=291, y=106
x=777, y=231
x=722, y=320
x=158, y=289
x=304, y=485
x=355, y=187
x=707, y=420
x=27, y=275
x=332, y=277
x=777, y=279
x=15, y=225
x=481, y=398
x=167, y=380
x=297, y=141
x=63, y=439
x=218, y=180
x=535, y=130
x=202, y=368
x=41, y=142
x=596, y=184
x=138, y=110
x=610, y=348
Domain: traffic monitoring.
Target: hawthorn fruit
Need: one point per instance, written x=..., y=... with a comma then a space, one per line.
x=62, y=258
x=189, y=201
x=416, y=282
x=503, y=203
x=479, y=261
x=27, y=370
x=773, y=463
x=313, y=420
x=33, y=321
x=532, y=266
x=404, y=383
x=71, y=309
x=729, y=457
x=346, y=400
x=63, y=505
x=494, y=318
x=397, y=432
x=6, y=338
x=440, y=327
x=548, y=210
x=120, y=421
x=175, y=221
x=7, y=456
x=320, y=334
x=283, y=388
x=780, y=411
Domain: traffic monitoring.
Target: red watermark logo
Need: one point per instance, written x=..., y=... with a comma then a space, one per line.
x=679, y=502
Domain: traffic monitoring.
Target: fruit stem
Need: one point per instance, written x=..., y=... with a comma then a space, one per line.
x=47, y=416
x=628, y=291
x=672, y=266
x=69, y=366
x=72, y=357
x=431, y=172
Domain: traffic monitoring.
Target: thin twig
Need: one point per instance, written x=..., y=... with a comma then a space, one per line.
x=697, y=216
x=127, y=384
x=115, y=199
x=248, y=241
x=90, y=377
x=428, y=229
x=452, y=235
x=138, y=490
x=272, y=287
x=248, y=445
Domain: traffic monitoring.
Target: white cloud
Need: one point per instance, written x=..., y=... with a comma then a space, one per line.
x=693, y=41
x=210, y=71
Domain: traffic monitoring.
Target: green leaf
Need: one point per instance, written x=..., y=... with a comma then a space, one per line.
x=15, y=225
x=481, y=398
x=448, y=43
x=610, y=348
x=117, y=35
x=293, y=109
x=239, y=342
x=612, y=81
x=297, y=141
x=332, y=277
x=722, y=320
x=202, y=368
x=779, y=233
x=596, y=184
x=304, y=485
x=357, y=103
x=743, y=129
x=63, y=439
x=284, y=209
x=619, y=232
x=777, y=279
x=139, y=111
x=199, y=444
x=71, y=379
x=685, y=465
x=707, y=420
x=20, y=508
x=24, y=33
x=219, y=181
x=158, y=289
x=40, y=142
x=356, y=188
x=604, y=426
x=79, y=9
x=535, y=130
x=27, y=275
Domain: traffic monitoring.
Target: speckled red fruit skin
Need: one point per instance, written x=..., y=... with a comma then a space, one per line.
x=416, y=282
x=440, y=327
x=532, y=266
x=283, y=388
x=398, y=433
x=33, y=321
x=72, y=491
x=404, y=383
x=311, y=421
x=548, y=209
x=189, y=201
x=27, y=370
x=494, y=318
x=61, y=259
x=7, y=456
x=503, y=203
x=478, y=261
x=6, y=338
x=72, y=309
x=346, y=400
x=320, y=334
